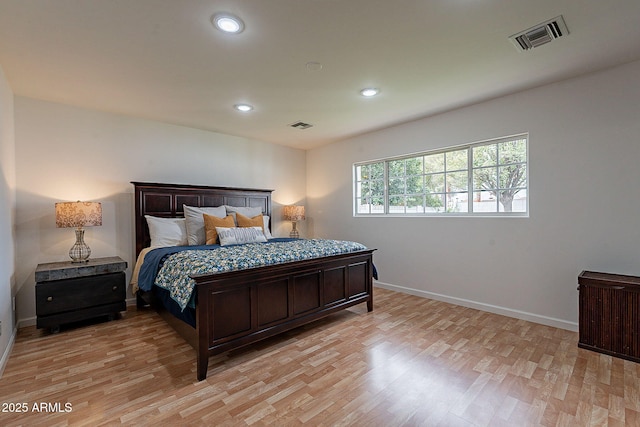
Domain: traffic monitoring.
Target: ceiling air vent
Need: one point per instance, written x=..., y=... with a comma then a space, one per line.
x=540, y=34
x=300, y=125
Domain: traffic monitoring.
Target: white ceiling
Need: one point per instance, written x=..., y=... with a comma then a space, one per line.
x=163, y=60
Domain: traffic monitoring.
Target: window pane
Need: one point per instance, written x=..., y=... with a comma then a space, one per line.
x=434, y=163
x=370, y=188
x=362, y=206
x=485, y=155
x=434, y=203
x=415, y=204
x=513, y=151
x=396, y=186
x=415, y=184
x=434, y=183
x=485, y=179
x=457, y=160
x=414, y=166
x=485, y=201
x=457, y=181
x=396, y=168
x=513, y=176
x=377, y=170
x=513, y=201
x=367, y=189
x=458, y=202
x=370, y=205
x=377, y=189
x=396, y=204
x=377, y=205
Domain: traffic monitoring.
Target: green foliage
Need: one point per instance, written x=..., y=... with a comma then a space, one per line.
x=371, y=183
x=500, y=169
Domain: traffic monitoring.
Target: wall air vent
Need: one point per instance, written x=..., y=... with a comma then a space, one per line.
x=300, y=125
x=540, y=34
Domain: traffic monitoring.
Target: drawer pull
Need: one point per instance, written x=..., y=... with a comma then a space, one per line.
x=49, y=299
x=115, y=288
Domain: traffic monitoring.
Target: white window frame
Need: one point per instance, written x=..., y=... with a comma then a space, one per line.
x=471, y=193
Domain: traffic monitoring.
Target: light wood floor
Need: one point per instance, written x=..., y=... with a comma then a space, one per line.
x=412, y=361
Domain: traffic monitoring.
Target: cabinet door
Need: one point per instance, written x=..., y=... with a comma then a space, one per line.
x=590, y=318
x=631, y=322
x=610, y=319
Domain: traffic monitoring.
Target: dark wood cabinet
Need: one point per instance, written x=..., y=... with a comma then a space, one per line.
x=609, y=314
x=68, y=292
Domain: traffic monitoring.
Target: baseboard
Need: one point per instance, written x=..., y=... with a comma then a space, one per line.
x=531, y=317
x=7, y=351
x=29, y=321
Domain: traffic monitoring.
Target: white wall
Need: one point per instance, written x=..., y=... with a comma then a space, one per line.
x=584, y=150
x=7, y=210
x=66, y=154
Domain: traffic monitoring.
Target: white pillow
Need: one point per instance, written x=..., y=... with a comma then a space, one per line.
x=234, y=236
x=195, y=222
x=267, y=232
x=167, y=231
x=242, y=210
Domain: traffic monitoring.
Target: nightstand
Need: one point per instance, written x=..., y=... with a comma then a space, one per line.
x=68, y=292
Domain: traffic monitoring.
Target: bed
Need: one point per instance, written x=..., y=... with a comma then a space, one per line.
x=237, y=308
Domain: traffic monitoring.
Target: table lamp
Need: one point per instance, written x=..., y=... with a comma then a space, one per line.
x=79, y=214
x=294, y=213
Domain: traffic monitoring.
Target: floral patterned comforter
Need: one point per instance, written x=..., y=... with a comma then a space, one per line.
x=174, y=275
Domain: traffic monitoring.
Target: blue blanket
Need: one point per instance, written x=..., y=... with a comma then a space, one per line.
x=153, y=259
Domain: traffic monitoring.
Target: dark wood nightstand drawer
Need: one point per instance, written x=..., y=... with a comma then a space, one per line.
x=78, y=293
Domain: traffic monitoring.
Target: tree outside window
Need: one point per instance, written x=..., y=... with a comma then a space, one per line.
x=500, y=170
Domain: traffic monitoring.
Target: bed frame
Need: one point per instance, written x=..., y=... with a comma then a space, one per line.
x=238, y=308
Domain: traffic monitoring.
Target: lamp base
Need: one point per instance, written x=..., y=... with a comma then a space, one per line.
x=294, y=231
x=80, y=251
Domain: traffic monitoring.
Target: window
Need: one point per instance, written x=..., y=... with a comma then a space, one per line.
x=488, y=178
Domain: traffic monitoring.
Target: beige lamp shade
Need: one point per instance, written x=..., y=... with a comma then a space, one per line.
x=78, y=214
x=294, y=213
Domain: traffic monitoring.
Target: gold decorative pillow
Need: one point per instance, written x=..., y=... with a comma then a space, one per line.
x=210, y=224
x=244, y=221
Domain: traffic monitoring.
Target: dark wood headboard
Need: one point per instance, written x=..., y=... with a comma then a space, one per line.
x=166, y=200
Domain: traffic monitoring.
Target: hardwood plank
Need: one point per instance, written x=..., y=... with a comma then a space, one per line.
x=412, y=361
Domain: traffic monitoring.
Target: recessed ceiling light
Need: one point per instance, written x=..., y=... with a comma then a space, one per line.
x=313, y=66
x=228, y=23
x=243, y=107
x=369, y=92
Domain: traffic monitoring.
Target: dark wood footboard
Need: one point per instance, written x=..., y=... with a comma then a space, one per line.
x=239, y=308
